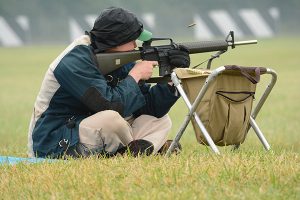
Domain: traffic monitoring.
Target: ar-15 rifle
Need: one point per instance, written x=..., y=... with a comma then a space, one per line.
x=109, y=62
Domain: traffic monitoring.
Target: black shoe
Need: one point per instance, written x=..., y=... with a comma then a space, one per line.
x=165, y=147
x=137, y=147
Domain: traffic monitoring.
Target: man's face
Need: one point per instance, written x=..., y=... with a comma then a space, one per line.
x=124, y=47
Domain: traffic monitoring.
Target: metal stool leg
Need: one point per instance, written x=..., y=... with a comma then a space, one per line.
x=259, y=134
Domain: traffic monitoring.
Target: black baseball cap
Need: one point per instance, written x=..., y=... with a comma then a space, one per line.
x=114, y=27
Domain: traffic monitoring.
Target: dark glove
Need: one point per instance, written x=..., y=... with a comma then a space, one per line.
x=179, y=57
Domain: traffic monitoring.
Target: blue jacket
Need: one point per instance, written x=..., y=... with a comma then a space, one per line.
x=74, y=88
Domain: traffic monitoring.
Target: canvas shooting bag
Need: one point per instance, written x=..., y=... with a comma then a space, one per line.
x=226, y=106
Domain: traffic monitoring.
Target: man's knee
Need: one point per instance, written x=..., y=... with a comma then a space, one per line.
x=165, y=121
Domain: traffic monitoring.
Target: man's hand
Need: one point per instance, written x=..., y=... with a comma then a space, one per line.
x=143, y=70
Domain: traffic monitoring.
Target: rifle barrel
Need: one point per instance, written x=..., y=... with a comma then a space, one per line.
x=245, y=42
x=209, y=46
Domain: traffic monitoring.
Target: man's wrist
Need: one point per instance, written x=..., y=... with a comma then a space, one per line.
x=135, y=77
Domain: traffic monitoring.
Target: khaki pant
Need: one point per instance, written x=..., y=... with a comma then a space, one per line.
x=107, y=131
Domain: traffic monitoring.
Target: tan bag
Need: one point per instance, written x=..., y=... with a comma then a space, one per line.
x=226, y=106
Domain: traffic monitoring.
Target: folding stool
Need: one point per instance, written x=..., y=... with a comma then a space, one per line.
x=220, y=103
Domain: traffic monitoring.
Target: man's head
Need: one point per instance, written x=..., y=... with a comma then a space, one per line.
x=115, y=27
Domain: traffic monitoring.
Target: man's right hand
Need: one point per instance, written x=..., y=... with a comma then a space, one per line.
x=143, y=70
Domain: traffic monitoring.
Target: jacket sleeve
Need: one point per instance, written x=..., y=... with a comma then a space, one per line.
x=78, y=75
x=159, y=100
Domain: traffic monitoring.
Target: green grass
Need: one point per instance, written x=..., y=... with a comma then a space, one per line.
x=249, y=173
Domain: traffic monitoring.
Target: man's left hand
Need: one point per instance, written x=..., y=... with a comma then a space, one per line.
x=179, y=57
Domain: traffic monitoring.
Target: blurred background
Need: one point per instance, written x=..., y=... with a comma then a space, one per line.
x=30, y=22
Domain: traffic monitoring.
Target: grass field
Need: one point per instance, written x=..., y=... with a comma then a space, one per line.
x=249, y=173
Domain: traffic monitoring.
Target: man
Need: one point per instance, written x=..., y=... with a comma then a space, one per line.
x=79, y=111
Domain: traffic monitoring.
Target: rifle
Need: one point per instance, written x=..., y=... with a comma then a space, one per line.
x=108, y=62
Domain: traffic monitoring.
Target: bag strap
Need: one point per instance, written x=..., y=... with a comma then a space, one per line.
x=248, y=71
